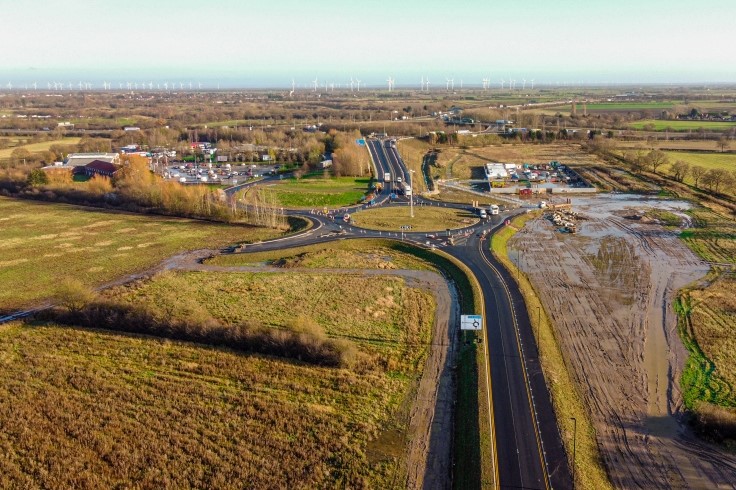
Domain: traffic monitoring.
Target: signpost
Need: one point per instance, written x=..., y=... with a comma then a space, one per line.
x=471, y=322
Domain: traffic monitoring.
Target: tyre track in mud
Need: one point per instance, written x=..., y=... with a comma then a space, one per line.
x=616, y=327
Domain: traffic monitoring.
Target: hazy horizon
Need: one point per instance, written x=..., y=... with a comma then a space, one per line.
x=258, y=44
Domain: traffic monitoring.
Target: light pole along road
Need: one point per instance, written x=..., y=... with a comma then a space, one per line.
x=529, y=447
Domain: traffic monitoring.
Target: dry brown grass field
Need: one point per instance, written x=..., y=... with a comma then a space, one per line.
x=349, y=254
x=91, y=409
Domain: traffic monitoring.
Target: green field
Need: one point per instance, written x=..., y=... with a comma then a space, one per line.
x=426, y=218
x=43, y=243
x=314, y=192
x=37, y=147
x=660, y=125
x=707, y=313
x=723, y=161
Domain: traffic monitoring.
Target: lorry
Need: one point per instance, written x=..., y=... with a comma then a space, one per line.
x=387, y=177
x=407, y=190
x=494, y=209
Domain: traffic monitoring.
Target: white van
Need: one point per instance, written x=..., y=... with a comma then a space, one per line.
x=494, y=209
x=483, y=214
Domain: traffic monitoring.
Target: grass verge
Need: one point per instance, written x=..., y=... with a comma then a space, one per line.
x=566, y=400
x=314, y=192
x=426, y=218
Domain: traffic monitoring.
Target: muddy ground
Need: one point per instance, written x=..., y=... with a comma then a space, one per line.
x=609, y=290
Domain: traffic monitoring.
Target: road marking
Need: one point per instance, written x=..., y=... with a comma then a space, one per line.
x=532, y=405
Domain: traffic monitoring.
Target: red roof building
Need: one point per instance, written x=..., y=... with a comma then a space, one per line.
x=99, y=167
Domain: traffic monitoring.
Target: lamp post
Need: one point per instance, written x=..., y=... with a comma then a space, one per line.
x=539, y=321
x=574, y=440
x=411, y=197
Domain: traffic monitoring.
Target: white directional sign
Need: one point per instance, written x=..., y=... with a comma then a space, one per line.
x=471, y=322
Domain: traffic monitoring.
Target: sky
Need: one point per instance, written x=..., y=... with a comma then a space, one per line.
x=266, y=43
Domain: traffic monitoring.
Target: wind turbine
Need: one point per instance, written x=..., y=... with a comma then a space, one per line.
x=447, y=84
x=48, y=85
x=10, y=86
x=357, y=82
x=485, y=84
x=34, y=86
x=422, y=89
x=427, y=84
x=502, y=82
x=523, y=84
x=351, y=84
x=532, y=84
x=390, y=83
x=315, y=82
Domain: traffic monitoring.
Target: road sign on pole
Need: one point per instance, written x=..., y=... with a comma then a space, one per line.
x=471, y=322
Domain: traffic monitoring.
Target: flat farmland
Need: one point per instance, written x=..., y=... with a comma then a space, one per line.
x=43, y=243
x=670, y=144
x=660, y=125
x=38, y=147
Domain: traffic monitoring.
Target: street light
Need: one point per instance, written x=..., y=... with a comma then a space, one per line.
x=411, y=196
x=539, y=321
x=574, y=440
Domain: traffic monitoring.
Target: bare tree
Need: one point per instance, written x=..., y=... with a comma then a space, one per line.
x=73, y=295
x=656, y=158
x=715, y=178
x=723, y=143
x=679, y=170
x=697, y=172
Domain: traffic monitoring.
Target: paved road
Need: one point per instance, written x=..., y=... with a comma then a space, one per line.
x=530, y=451
x=529, y=448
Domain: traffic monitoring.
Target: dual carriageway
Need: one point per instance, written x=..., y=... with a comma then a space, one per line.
x=527, y=444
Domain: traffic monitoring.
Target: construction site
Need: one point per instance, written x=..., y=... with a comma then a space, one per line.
x=608, y=282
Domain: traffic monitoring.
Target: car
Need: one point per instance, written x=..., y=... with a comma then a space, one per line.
x=398, y=179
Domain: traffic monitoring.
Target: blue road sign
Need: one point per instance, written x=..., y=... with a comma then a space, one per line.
x=361, y=142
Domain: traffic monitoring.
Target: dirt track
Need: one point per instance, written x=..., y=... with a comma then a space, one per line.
x=429, y=456
x=609, y=291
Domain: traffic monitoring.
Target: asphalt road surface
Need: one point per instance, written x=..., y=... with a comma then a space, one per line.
x=529, y=448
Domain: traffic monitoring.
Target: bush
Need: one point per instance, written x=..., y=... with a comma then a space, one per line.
x=308, y=343
x=37, y=177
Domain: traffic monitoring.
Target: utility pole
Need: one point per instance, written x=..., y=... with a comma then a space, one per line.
x=574, y=441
